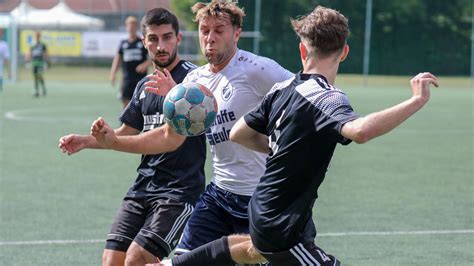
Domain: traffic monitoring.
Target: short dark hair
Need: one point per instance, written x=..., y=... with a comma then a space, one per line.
x=159, y=16
x=325, y=30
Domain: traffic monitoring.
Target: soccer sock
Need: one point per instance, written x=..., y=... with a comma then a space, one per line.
x=214, y=253
x=43, y=86
x=36, y=87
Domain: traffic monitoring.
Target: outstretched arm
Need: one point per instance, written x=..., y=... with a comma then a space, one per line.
x=244, y=135
x=159, y=140
x=379, y=123
x=114, y=68
x=74, y=143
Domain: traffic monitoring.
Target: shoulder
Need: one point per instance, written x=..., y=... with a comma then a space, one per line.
x=322, y=95
x=182, y=69
x=252, y=63
x=281, y=85
x=186, y=65
x=197, y=72
x=261, y=69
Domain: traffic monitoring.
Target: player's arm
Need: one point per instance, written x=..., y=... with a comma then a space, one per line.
x=244, y=135
x=379, y=123
x=159, y=140
x=141, y=68
x=74, y=143
x=114, y=68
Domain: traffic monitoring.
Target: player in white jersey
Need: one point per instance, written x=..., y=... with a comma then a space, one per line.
x=239, y=81
x=238, y=88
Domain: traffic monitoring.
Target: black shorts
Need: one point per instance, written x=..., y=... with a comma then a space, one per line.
x=301, y=254
x=37, y=70
x=278, y=251
x=156, y=224
x=128, y=87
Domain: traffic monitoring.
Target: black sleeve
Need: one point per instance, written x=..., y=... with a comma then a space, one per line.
x=120, y=50
x=334, y=110
x=132, y=114
x=144, y=53
x=257, y=119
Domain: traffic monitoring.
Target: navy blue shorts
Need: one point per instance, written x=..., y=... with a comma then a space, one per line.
x=217, y=213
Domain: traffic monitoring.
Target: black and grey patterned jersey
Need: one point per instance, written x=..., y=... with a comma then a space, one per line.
x=178, y=174
x=133, y=54
x=303, y=118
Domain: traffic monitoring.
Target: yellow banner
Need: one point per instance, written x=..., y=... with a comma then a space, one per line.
x=59, y=43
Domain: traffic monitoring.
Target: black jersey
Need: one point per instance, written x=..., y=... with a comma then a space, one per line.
x=179, y=174
x=133, y=54
x=37, y=52
x=303, y=117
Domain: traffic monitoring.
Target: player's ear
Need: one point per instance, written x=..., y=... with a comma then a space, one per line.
x=179, y=38
x=237, y=32
x=303, y=52
x=345, y=52
x=143, y=40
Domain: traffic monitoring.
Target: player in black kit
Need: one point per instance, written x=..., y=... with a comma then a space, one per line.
x=150, y=221
x=132, y=55
x=303, y=119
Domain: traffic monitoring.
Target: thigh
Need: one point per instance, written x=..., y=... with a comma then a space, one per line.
x=127, y=89
x=301, y=254
x=238, y=212
x=163, y=226
x=127, y=223
x=207, y=223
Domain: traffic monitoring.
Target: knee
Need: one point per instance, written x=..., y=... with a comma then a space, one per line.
x=135, y=257
x=112, y=258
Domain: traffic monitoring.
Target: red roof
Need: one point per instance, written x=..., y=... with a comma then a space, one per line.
x=92, y=6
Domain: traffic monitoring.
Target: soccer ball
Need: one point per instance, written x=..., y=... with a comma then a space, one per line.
x=190, y=108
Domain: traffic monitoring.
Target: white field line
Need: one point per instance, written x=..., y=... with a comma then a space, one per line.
x=340, y=234
x=50, y=242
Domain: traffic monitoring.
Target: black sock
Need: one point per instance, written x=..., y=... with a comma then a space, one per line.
x=36, y=86
x=214, y=253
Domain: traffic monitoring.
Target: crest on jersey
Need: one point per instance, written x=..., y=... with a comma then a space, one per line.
x=227, y=92
x=125, y=45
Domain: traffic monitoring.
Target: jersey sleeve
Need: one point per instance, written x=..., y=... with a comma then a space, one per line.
x=334, y=110
x=144, y=53
x=264, y=73
x=119, y=49
x=132, y=114
x=257, y=119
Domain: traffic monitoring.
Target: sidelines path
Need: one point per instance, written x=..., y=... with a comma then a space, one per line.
x=382, y=233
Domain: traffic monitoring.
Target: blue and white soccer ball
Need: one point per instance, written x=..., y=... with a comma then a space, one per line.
x=190, y=108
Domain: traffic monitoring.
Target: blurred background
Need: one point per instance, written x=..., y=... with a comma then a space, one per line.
x=397, y=37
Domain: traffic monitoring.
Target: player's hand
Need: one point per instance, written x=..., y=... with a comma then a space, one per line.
x=103, y=133
x=72, y=143
x=141, y=68
x=420, y=85
x=160, y=82
x=112, y=80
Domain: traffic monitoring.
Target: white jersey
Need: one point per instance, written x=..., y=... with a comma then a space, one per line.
x=4, y=54
x=238, y=88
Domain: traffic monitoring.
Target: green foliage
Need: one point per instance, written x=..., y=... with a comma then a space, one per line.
x=408, y=36
x=182, y=9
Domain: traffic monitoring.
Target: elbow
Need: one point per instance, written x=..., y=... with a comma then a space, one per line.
x=233, y=136
x=173, y=146
x=361, y=136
